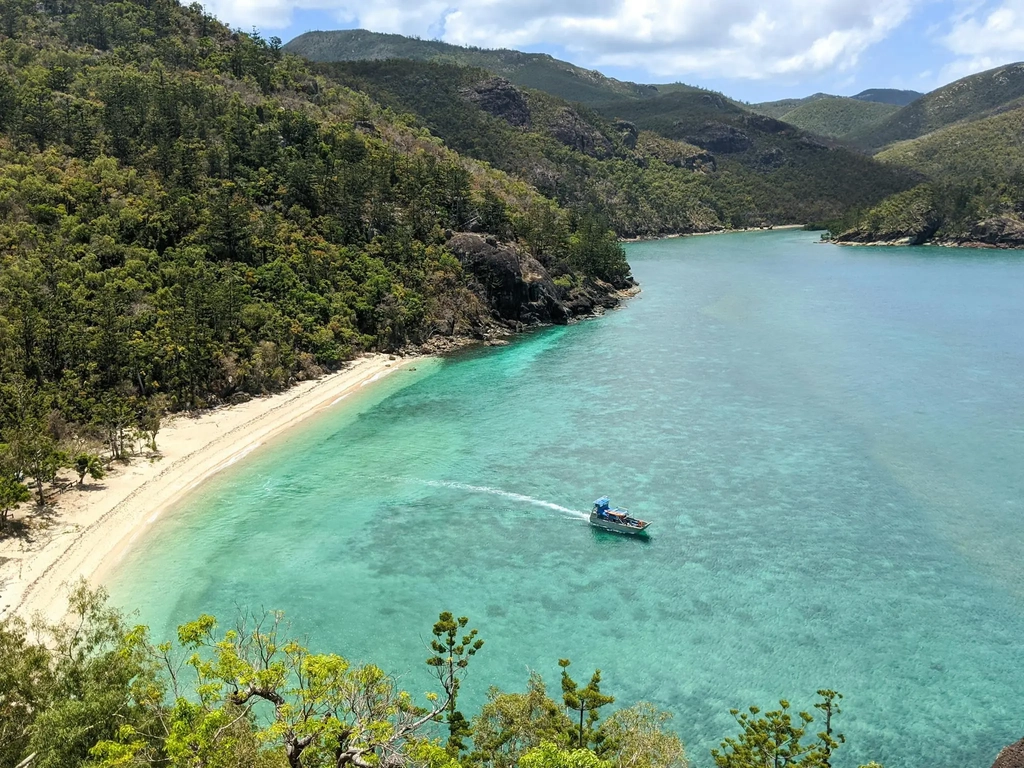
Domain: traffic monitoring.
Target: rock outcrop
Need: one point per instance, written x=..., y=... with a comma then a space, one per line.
x=514, y=285
x=1002, y=231
x=519, y=291
x=497, y=96
x=770, y=159
x=1011, y=756
x=570, y=129
x=766, y=124
x=720, y=138
x=628, y=132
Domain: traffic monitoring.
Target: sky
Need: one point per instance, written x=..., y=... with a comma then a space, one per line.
x=749, y=50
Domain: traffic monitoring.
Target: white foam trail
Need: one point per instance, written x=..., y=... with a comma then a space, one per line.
x=507, y=495
x=338, y=400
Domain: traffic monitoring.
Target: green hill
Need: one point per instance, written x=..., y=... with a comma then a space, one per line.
x=766, y=168
x=532, y=70
x=895, y=96
x=642, y=172
x=569, y=153
x=989, y=148
x=977, y=191
x=778, y=109
x=969, y=98
x=190, y=214
x=836, y=116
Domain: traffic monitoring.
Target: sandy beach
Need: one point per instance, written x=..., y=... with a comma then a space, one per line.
x=712, y=232
x=90, y=528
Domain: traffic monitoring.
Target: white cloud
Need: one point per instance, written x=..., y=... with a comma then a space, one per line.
x=668, y=38
x=984, y=36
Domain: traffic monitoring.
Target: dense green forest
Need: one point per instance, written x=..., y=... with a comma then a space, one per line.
x=641, y=185
x=96, y=691
x=766, y=168
x=967, y=145
x=836, y=116
x=188, y=214
x=688, y=161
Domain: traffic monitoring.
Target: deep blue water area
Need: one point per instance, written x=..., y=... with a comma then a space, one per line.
x=830, y=442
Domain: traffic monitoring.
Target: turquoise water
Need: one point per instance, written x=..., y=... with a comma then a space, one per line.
x=830, y=442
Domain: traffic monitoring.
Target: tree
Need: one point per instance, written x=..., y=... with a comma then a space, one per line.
x=89, y=464
x=775, y=739
x=636, y=738
x=152, y=418
x=64, y=686
x=12, y=493
x=548, y=755
x=317, y=708
x=510, y=724
x=451, y=655
x=37, y=455
x=586, y=701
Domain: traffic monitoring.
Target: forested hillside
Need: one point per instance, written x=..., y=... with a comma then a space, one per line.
x=763, y=164
x=969, y=98
x=189, y=213
x=968, y=145
x=641, y=183
x=686, y=161
x=975, y=195
x=897, y=96
x=836, y=116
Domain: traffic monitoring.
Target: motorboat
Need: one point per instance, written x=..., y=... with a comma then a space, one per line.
x=610, y=518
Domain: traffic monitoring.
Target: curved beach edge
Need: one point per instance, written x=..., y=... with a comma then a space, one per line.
x=91, y=528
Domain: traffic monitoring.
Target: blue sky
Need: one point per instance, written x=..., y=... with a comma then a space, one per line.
x=750, y=50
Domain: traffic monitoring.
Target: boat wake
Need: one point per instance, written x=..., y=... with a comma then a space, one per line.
x=575, y=513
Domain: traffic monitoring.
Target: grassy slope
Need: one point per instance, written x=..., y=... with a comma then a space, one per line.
x=969, y=98
x=533, y=70
x=836, y=116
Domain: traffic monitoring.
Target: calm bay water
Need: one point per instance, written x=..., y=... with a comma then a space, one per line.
x=830, y=442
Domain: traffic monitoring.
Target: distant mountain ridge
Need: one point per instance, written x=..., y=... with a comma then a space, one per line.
x=786, y=160
x=831, y=116
x=895, y=96
x=533, y=70
x=969, y=98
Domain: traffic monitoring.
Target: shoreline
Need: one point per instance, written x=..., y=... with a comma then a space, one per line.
x=88, y=529
x=906, y=242
x=646, y=238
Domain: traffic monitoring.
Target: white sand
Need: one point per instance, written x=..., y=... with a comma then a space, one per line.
x=92, y=527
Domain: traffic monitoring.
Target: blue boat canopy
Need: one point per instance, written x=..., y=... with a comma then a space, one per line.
x=603, y=503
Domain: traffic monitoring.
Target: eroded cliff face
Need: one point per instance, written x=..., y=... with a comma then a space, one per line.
x=518, y=290
x=1005, y=231
x=498, y=97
